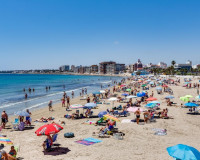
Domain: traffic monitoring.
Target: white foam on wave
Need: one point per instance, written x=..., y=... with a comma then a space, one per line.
x=106, y=82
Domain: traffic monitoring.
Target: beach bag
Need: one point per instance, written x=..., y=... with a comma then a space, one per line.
x=69, y=135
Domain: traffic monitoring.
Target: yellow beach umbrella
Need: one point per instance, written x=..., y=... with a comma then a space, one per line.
x=108, y=116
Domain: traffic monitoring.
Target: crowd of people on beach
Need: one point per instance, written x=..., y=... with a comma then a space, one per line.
x=137, y=88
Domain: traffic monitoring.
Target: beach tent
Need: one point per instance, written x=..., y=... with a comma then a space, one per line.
x=183, y=152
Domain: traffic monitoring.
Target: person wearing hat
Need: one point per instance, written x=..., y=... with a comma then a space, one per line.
x=4, y=119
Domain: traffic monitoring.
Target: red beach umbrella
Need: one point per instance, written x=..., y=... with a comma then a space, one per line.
x=165, y=85
x=48, y=129
x=151, y=99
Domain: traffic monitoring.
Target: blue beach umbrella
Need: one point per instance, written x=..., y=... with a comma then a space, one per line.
x=101, y=114
x=190, y=104
x=183, y=152
x=169, y=97
x=125, y=94
x=22, y=113
x=90, y=105
x=151, y=105
x=141, y=94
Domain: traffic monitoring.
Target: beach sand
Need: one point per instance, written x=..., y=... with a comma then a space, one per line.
x=139, y=142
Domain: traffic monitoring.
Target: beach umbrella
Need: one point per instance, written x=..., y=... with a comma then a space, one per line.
x=143, y=85
x=76, y=106
x=22, y=113
x=125, y=94
x=101, y=114
x=191, y=104
x=165, y=85
x=134, y=109
x=169, y=97
x=197, y=97
x=151, y=105
x=122, y=85
x=151, y=99
x=128, y=97
x=151, y=83
x=187, y=82
x=89, y=105
x=188, y=96
x=142, y=94
x=102, y=91
x=183, y=152
x=184, y=99
x=128, y=89
x=159, y=88
x=48, y=129
x=5, y=140
x=96, y=93
x=155, y=102
x=108, y=116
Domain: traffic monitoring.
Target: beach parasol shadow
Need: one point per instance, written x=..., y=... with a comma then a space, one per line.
x=57, y=151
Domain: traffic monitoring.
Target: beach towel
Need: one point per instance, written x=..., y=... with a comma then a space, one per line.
x=93, y=140
x=86, y=143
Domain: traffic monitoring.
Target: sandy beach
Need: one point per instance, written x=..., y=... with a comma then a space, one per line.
x=139, y=142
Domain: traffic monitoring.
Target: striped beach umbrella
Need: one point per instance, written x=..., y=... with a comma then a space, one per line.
x=5, y=140
x=108, y=116
x=76, y=106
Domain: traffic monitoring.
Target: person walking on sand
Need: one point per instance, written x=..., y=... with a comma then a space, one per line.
x=50, y=106
x=137, y=113
x=68, y=102
x=4, y=119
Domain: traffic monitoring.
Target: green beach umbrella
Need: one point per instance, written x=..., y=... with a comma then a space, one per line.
x=184, y=99
x=128, y=89
x=143, y=85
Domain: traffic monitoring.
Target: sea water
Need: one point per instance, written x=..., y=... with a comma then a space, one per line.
x=12, y=96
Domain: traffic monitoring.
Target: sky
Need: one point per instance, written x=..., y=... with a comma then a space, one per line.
x=40, y=34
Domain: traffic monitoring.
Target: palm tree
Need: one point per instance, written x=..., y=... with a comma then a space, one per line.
x=173, y=63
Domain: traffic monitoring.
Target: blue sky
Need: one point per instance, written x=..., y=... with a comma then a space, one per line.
x=37, y=34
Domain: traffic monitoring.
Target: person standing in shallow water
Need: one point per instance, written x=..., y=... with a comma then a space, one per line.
x=72, y=94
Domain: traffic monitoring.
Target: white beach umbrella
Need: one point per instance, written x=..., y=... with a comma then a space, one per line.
x=113, y=99
x=128, y=97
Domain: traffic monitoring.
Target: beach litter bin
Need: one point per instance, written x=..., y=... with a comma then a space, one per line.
x=69, y=135
x=118, y=136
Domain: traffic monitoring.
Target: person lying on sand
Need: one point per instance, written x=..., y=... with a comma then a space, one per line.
x=6, y=156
